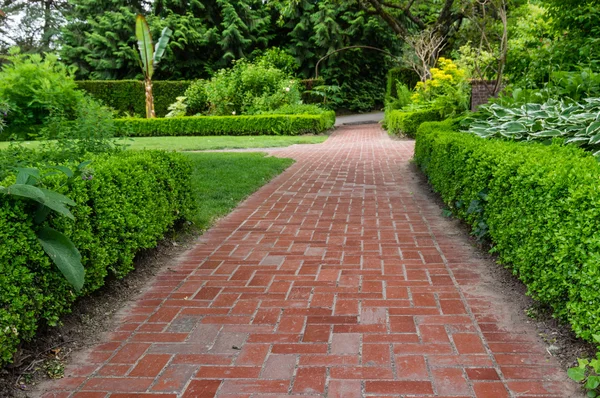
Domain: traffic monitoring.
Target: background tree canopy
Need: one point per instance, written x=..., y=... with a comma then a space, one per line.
x=97, y=37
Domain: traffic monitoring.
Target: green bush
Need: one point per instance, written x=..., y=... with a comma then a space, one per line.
x=127, y=204
x=299, y=109
x=196, y=98
x=407, y=122
x=34, y=86
x=128, y=96
x=226, y=125
x=250, y=88
x=539, y=205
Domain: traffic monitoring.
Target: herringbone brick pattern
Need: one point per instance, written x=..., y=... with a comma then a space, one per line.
x=338, y=279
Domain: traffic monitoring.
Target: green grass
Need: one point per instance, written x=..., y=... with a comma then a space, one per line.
x=208, y=143
x=222, y=180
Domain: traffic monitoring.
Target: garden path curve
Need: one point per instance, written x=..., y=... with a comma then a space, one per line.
x=338, y=279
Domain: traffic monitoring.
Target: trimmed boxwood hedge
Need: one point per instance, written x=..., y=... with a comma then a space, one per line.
x=133, y=198
x=129, y=95
x=407, y=122
x=539, y=205
x=226, y=125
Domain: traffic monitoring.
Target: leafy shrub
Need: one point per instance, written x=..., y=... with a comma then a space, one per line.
x=405, y=76
x=129, y=203
x=177, y=108
x=227, y=125
x=401, y=100
x=128, y=96
x=34, y=86
x=278, y=59
x=538, y=204
x=447, y=91
x=576, y=123
x=248, y=88
x=407, y=122
x=91, y=132
x=196, y=98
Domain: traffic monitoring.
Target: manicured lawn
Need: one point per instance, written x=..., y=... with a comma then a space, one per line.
x=222, y=180
x=208, y=143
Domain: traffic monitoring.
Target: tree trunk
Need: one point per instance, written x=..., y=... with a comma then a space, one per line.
x=149, y=99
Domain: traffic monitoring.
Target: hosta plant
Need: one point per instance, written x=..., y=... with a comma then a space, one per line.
x=576, y=123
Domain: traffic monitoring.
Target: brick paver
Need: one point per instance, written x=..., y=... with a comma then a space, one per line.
x=340, y=278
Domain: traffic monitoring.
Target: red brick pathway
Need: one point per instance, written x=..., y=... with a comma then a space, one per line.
x=338, y=279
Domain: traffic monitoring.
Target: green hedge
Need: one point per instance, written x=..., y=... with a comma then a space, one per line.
x=407, y=122
x=227, y=125
x=129, y=95
x=132, y=199
x=538, y=204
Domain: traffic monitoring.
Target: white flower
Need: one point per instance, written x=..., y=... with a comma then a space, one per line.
x=287, y=89
x=233, y=113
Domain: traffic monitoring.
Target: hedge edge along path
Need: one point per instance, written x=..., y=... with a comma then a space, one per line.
x=538, y=204
x=226, y=125
x=132, y=200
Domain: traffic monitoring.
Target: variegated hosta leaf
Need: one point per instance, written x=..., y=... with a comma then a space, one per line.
x=578, y=123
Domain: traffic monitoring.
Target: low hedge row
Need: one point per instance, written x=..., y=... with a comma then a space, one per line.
x=132, y=199
x=538, y=204
x=407, y=122
x=226, y=125
x=129, y=95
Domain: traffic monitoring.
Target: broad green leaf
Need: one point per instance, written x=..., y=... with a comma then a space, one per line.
x=24, y=174
x=64, y=169
x=161, y=45
x=595, y=139
x=56, y=201
x=26, y=191
x=593, y=128
x=577, y=374
x=547, y=133
x=142, y=33
x=64, y=254
x=592, y=382
x=514, y=127
x=57, y=197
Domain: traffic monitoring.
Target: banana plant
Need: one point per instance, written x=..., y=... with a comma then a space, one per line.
x=149, y=56
x=57, y=246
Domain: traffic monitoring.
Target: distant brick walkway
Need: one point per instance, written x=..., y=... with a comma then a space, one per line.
x=338, y=279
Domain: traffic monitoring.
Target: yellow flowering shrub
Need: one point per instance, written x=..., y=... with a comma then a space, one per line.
x=447, y=90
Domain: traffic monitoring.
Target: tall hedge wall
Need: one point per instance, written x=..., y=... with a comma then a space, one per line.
x=538, y=204
x=227, y=125
x=132, y=199
x=129, y=95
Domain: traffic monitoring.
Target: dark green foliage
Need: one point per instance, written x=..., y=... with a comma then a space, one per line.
x=408, y=77
x=128, y=96
x=127, y=204
x=408, y=122
x=539, y=205
x=226, y=125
